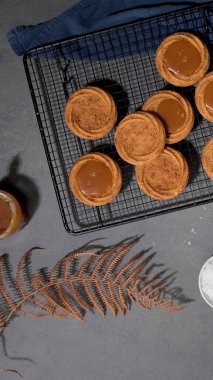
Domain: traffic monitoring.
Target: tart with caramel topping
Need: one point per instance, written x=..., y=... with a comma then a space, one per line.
x=175, y=112
x=90, y=113
x=95, y=179
x=182, y=59
x=204, y=96
x=165, y=177
x=207, y=158
x=139, y=137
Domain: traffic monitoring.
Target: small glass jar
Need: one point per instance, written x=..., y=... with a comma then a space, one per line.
x=13, y=217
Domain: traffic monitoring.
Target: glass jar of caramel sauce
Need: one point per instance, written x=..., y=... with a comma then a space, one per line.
x=13, y=217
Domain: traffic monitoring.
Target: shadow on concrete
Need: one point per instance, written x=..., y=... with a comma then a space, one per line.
x=3, y=342
x=118, y=93
x=21, y=186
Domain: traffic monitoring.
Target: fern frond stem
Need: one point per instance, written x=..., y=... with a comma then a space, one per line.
x=10, y=370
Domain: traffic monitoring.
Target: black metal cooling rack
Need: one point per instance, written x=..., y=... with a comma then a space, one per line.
x=121, y=60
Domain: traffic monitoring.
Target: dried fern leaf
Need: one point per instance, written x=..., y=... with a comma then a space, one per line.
x=94, y=289
x=68, y=262
x=94, y=301
x=53, y=301
x=97, y=283
x=45, y=305
x=54, y=271
x=122, y=272
x=137, y=282
x=34, y=315
x=152, y=297
x=85, y=267
x=159, y=288
x=140, y=302
x=86, y=249
x=77, y=296
x=134, y=273
x=117, y=302
x=103, y=294
x=72, y=311
x=20, y=303
x=10, y=370
x=87, y=253
x=37, y=302
x=21, y=288
x=20, y=271
x=105, y=257
x=3, y=321
x=3, y=291
x=152, y=302
x=148, y=284
x=50, y=306
x=122, y=298
x=19, y=281
x=102, y=260
x=167, y=305
x=115, y=260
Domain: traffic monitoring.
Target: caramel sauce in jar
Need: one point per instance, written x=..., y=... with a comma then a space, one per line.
x=12, y=215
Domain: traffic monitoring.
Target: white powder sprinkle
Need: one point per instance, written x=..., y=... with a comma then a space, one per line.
x=193, y=231
x=188, y=242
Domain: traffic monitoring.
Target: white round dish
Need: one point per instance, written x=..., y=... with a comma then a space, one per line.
x=205, y=281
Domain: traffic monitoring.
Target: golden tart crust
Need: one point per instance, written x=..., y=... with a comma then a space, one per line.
x=207, y=158
x=165, y=177
x=205, y=103
x=95, y=179
x=175, y=112
x=90, y=113
x=184, y=41
x=139, y=137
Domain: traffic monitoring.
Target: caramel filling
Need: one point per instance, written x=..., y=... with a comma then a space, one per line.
x=94, y=178
x=182, y=58
x=172, y=114
x=5, y=215
x=208, y=97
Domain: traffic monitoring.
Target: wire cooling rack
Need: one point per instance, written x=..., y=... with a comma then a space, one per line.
x=121, y=60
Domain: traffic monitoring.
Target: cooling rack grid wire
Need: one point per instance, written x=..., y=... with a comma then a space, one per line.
x=122, y=61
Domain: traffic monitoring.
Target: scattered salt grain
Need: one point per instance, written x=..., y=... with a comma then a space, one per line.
x=193, y=231
x=189, y=243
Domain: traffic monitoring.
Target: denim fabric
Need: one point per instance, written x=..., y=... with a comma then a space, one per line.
x=88, y=16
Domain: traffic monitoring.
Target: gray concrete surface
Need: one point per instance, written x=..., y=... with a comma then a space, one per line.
x=143, y=345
